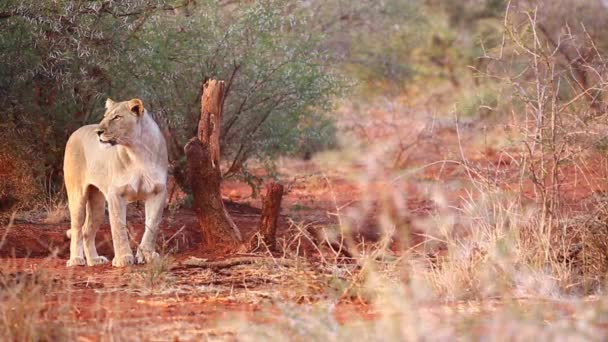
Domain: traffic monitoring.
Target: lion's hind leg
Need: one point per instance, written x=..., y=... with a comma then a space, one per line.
x=95, y=209
x=146, y=251
x=76, y=203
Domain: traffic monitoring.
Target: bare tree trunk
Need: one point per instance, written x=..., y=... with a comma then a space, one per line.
x=212, y=106
x=271, y=208
x=203, y=155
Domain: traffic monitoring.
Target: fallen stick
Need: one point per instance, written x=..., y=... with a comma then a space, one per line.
x=227, y=263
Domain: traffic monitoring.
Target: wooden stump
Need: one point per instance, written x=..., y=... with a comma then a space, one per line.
x=271, y=208
x=219, y=231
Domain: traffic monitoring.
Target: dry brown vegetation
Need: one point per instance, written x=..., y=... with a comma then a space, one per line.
x=16, y=180
x=474, y=211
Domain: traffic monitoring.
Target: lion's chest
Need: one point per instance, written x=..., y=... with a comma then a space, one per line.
x=140, y=185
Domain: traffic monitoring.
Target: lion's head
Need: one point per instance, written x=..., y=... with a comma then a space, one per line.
x=120, y=123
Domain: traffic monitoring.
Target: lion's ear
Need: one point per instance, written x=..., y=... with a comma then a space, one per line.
x=109, y=103
x=136, y=106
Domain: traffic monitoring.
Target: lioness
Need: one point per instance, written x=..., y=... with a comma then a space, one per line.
x=121, y=160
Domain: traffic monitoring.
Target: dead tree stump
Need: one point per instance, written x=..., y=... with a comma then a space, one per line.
x=219, y=231
x=271, y=207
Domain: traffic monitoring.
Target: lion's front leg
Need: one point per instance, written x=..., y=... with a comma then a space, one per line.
x=117, y=207
x=154, y=212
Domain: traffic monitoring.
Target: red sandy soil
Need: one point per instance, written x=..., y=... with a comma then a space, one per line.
x=100, y=295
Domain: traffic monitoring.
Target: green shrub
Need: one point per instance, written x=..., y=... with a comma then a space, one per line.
x=59, y=60
x=18, y=163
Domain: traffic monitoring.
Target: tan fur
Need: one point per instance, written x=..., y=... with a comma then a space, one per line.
x=121, y=160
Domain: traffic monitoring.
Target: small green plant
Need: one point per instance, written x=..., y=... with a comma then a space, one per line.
x=154, y=276
x=299, y=207
x=478, y=104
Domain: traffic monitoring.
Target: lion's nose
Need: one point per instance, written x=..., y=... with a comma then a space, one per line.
x=99, y=131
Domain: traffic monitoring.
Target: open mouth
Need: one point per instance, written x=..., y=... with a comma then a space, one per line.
x=111, y=142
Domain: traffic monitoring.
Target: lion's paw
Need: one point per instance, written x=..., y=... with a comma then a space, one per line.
x=100, y=260
x=122, y=261
x=146, y=256
x=77, y=261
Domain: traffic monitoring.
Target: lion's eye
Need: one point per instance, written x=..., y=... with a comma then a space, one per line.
x=116, y=117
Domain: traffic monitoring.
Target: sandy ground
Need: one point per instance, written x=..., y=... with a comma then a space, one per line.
x=190, y=303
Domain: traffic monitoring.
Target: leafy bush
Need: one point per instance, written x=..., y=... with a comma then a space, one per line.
x=54, y=62
x=272, y=64
x=17, y=184
x=374, y=42
x=59, y=60
x=390, y=46
x=18, y=165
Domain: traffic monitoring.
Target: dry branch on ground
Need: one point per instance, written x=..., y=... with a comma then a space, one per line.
x=227, y=263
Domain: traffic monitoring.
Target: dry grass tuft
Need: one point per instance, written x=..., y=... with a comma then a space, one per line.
x=154, y=277
x=24, y=313
x=586, y=255
x=56, y=212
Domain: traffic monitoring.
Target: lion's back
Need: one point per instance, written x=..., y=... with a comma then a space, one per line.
x=79, y=146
